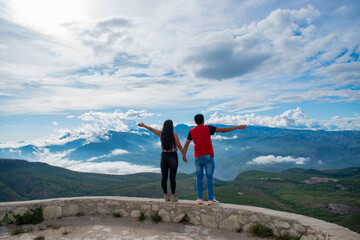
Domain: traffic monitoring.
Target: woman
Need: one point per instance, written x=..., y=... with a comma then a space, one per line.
x=169, y=159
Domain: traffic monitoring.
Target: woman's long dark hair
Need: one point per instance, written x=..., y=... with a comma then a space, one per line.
x=167, y=135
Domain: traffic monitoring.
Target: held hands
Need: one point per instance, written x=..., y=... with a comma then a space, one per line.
x=184, y=158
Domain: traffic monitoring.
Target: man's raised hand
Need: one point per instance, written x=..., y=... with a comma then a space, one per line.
x=242, y=127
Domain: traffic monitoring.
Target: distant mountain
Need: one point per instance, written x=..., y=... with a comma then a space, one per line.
x=331, y=195
x=259, y=148
x=23, y=180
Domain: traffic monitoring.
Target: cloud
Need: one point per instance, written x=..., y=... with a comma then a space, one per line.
x=271, y=159
x=55, y=123
x=343, y=123
x=103, y=122
x=117, y=114
x=103, y=36
x=295, y=118
x=60, y=159
x=274, y=39
x=56, y=159
x=115, y=152
x=164, y=55
x=120, y=168
x=97, y=126
x=219, y=137
x=223, y=61
x=292, y=119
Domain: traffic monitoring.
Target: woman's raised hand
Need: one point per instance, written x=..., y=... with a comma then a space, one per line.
x=141, y=124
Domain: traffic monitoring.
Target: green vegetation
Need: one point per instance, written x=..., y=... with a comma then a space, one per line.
x=116, y=215
x=333, y=201
x=33, y=216
x=39, y=238
x=53, y=226
x=141, y=217
x=185, y=220
x=5, y=220
x=239, y=230
x=288, y=237
x=65, y=233
x=80, y=214
x=156, y=218
x=261, y=231
x=17, y=231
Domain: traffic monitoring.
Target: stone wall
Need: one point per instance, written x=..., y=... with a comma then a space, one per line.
x=223, y=216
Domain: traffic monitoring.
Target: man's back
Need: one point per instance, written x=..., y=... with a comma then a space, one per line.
x=202, y=140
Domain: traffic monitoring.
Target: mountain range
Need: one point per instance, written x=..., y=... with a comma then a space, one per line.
x=257, y=148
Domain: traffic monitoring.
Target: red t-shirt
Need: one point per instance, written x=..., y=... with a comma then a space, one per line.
x=202, y=140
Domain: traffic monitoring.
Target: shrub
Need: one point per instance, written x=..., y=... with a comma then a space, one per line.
x=288, y=237
x=116, y=215
x=156, y=218
x=17, y=231
x=5, y=220
x=261, y=231
x=80, y=214
x=239, y=230
x=30, y=217
x=142, y=217
x=39, y=238
x=53, y=226
x=65, y=233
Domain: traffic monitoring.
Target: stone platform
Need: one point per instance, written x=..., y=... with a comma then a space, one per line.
x=103, y=227
x=224, y=216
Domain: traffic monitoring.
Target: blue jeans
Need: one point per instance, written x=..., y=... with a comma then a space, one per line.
x=207, y=162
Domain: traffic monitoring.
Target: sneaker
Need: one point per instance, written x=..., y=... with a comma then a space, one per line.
x=199, y=201
x=213, y=202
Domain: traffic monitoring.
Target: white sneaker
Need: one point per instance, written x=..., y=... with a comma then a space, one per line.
x=213, y=202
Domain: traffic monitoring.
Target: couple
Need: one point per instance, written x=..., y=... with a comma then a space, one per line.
x=204, y=155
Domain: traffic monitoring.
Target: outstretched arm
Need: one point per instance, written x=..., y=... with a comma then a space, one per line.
x=157, y=132
x=229, y=129
x=186, y=146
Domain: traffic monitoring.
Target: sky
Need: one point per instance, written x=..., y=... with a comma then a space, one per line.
x=97, y=65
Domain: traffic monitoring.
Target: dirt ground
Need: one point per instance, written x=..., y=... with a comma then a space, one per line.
x=110, y=228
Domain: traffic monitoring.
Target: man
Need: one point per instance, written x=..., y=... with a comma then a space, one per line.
x=204, y=155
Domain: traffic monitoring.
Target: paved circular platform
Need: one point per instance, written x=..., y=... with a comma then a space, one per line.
x=108, y=227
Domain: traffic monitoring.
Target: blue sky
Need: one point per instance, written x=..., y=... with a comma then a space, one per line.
x=290, y=64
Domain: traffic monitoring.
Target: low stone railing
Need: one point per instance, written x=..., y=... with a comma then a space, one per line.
x=223, y=216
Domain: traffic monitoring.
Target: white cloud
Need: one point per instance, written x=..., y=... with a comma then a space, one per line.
x=119, y=168
x=56, y=159
x=55, y=123
x=115, y=152
x=100, y=123
x=220, y=137
x=290, y=119
x=117, y=114
x=343, y=123
x=60, y=159
x=136, y=58
x=271, y=159
x=294, y=118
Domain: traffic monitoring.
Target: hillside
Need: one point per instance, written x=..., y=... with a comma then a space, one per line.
x=235, y=152
x=331, y=195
